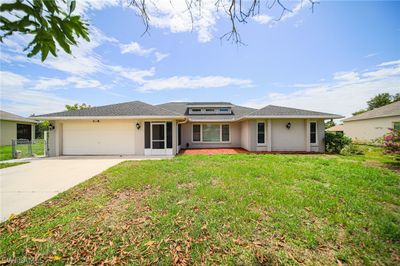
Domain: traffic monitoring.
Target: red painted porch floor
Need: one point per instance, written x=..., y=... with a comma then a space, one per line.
x=211, y=151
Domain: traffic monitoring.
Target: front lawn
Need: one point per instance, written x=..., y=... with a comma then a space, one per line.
x=220, y=209
x=5, y=165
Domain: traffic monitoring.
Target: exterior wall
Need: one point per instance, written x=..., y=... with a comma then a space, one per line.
x=293, y=139
x=235, y=137
x=369, y=129
x=8, y=131
x=55, y=141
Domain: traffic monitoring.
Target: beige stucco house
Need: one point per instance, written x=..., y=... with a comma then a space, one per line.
x=373, y=124
x=13, y=126
x=137, y=128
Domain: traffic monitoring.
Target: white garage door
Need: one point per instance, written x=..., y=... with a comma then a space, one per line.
x=98, y=138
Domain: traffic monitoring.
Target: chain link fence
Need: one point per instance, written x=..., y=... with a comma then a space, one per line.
x=24, y=148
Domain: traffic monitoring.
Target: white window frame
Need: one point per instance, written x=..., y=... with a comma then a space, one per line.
x=316, y=133
x=220, y=133
x=265, y=133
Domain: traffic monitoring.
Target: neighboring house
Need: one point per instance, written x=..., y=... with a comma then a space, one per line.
x=336, y=129
x=137, y=128
x=13, y=126
x=373, y=124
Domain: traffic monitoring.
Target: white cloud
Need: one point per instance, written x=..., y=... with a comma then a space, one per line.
x=135, y=48
x=187, y=82
x=136, y=75
x=346, y=76
x=76, y=82
x=390, y=63
x=16, y=97
x=160, y=56
x=344, y=95
x=262, y=19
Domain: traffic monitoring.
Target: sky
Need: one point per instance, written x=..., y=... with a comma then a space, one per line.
x=331, y=60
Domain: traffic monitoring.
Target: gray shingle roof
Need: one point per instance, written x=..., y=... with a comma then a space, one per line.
x=135, y=108
x=279, y=111
x=178, y=109
x=181, y=108
x=13, y=117
x=392, y=109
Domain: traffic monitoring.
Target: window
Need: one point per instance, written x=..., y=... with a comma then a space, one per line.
x=196, y=132
x=211, y=133
x=209, y=109
x=396, y=125
x=179, y=134
x=158, y=136
x=224, y=110
x=225, y=132
x=313, y=132
x=24, y=131
x=196, y=110
x=261, y=133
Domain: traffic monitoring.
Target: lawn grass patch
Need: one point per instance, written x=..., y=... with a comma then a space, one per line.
x=221, y=209
x=5, y=165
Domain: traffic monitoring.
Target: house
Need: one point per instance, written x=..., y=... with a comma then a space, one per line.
x=336, y=129
x=138, y=128
x=13, y=126
x=373, y=124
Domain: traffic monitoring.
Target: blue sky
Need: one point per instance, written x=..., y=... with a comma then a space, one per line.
x=332, y=59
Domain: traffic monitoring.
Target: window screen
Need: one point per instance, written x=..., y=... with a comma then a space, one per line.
x=196, y=132
x=225, y=132
x=313, y=132
x=396, y=126
x=179, y=134
x=169, y=135
x=261, y=133
x=211, y=133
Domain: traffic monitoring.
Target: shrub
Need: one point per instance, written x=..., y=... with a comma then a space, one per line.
x=391, y=142
x=335, y=142
x=351, y=149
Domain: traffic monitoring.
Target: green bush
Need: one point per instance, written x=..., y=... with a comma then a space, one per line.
x=351, y=149
x=335, y=142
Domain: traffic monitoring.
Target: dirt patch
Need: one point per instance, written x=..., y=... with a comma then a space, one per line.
x=189, y=185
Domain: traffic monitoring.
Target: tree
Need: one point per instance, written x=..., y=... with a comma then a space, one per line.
x=379, y=100
x=359, y=112
x=329, y=124
x=396, y=97
x=48, y=24
x=77, y=106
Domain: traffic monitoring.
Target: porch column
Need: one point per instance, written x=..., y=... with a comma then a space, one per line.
x=174, y=138
x=308, y=145
x=269, y=135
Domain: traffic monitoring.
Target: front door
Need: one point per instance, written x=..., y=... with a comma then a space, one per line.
x=158, y=138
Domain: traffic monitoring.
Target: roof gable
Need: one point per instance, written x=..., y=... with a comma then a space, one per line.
x=13, y=117
x=392, y=109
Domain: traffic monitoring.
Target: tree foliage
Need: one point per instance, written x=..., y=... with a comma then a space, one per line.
x=77, y=106
x=329, y=124
x=47, y=22
x=379, y=100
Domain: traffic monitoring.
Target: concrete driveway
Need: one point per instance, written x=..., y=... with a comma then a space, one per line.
x=25, y=186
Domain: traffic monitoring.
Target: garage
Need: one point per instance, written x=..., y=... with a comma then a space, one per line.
x=98, y=137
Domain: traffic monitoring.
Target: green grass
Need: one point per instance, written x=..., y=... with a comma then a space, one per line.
x=5, y=165
x=375, y=155
x=37, y=148
x=221, y=209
